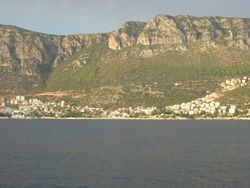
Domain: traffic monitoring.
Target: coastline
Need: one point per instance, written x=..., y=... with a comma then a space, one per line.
x=134, y=119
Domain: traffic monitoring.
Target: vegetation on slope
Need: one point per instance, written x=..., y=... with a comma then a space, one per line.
x=239, y=97
x=124, y=78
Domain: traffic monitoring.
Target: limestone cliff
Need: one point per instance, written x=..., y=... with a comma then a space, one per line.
x=34, y=54
x=178, y=33
x=126, y=36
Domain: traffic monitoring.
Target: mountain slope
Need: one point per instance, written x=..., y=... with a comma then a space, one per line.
x=30, y=55
x=139, y=64
x=181, y=32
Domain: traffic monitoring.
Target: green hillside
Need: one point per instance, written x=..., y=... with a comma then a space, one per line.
x=164, y=61
x=239, y=97
x=124, y=78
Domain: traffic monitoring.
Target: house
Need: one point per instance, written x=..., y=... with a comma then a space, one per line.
x=22, y=98
x=62, y=104
x=232, y=110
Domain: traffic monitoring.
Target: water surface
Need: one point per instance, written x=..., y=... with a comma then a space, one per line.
x=124, y=154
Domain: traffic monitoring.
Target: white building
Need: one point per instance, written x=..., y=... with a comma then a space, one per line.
x=232, y=110
x=62, y=104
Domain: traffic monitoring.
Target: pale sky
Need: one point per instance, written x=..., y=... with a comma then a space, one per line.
x=90, y=16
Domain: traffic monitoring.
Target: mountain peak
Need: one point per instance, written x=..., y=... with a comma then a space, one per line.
x=30, y=53
x=163, y=16
x=178, y=32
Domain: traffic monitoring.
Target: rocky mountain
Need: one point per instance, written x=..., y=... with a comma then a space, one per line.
x=30, y=58
x=32, y=53
x=178, y=33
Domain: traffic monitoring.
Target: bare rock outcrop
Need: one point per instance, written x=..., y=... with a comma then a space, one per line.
x=181, y=32
x=34, y=54
x=126, y=36
x=31, y=52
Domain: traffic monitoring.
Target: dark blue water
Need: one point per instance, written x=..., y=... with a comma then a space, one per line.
x=124, y=154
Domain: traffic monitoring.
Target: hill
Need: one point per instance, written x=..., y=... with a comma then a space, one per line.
x=164, y=61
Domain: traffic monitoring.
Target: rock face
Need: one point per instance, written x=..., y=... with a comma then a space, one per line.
x=30, y=53
x=162, y=30
x=178, y=33
x=126, y=36
x=34, y=53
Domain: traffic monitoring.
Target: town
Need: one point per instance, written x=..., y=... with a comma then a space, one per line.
x=22, y=107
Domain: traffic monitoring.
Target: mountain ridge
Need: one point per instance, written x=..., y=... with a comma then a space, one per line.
x=139, y=57
x=175, y=32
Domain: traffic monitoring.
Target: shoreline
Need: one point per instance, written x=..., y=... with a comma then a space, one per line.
x=132, y=119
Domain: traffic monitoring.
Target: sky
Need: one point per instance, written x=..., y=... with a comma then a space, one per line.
x=92, y=16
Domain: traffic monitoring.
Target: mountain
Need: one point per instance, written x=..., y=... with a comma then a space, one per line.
x=30, y=55
x=178, y=33
x=138, y=64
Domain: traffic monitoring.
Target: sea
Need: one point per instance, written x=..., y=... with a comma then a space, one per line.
x=124, y=154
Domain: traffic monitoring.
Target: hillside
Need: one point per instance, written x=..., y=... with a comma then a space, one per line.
x=164, y=61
